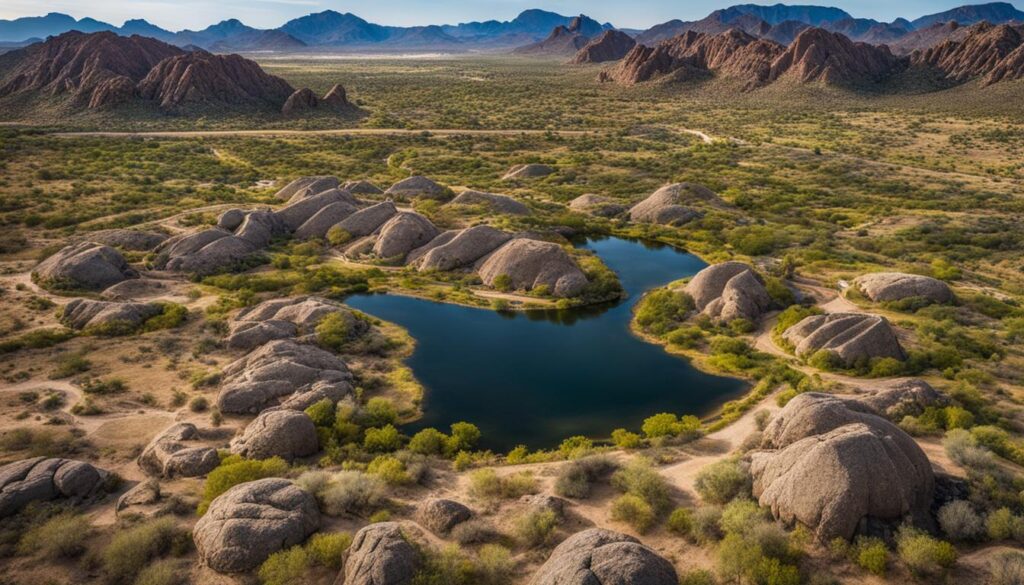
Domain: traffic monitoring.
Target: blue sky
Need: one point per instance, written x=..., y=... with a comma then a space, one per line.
x=178, y=14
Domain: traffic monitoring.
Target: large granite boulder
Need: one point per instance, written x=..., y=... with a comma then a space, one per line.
x=602, y=557
x=881, y=287
x=310, y=184
x=43, y=479
x=231, y=219
x=84, y=266
x=299, y=212
x=836, y=466
x=730, y=290
x=417, y=186
x=251, y=521
x=174, y=453
x=125, y=239
x=366, y=221
x=283, y=372
x=592, y=204
x=252, y=334
x=288, y=434
x=674, y=205
x=82, y=313
x=457, y=249
x=323, y=220
x=851, y=337
x=380, y=555
x=260, y=227
x=362, y=187
x=493, y=201
x=531, y=263
x=440, y=515
x=205, y=252
x=529, y=171
x=287, y=318
x=904, y=398
x=403, y=233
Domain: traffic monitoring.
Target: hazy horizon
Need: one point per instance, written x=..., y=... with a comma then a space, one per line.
x=194, y=14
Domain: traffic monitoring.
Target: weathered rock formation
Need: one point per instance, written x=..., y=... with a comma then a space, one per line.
x=881, y=287
x=851, y=337
x=819, y=55
x=41, y=479
x=380, y=555
x=493, y=201
x=904, y=398
x=402, y=234
x=602, y=557
x=730, y=290
x=253, y=520
x=288, y=434
x=362, y=187
x=675, y=205
x=531, y=263
x=366, y=221
x=984, y=51
x=83, y=313
x=314, y=185
x=287, y=318
x=199, y=78
x=457, y=249
x=440, y=515
x=301, y=101
x=336, y=98
x=612, y=45
x=283, y=372
x=132, y=240
x=417, y=186
x=174, y=453
x=84, y=266
x=564, y=40
x=597, y=205
x=530, y=171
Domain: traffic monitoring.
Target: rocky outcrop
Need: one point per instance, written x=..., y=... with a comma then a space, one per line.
x=362, y=187
x=312, y=185
x=230, y=219
x=597, y=205
x=304, y=205
x=458, y=249
x=201, y=79
x=850, y=337
x=882, y=287
x=283, y=372
x=83, y=266
x=612, y=45
x=493, y=201
x=838, y=466
x=532, y=263
x=287, y=318
x=417, y=186
x=440, y=515
x=174, y=453
x=42, y=479
x=675, y=205
x=984, y=51
x=818, y=55
x=322, y=221
x=131, y=240
x=366, y=221
x=87, y=313
x=249, y=522
x=402, y=234
x=380, y=555
x=564, y=40
x=529, y=171
x=301, y=101
x=140, y=501
x=904, y=398
x=602, y=557
x=336, y=98
x=287, y=434
x=730, y=290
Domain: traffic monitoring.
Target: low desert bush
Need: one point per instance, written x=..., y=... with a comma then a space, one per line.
x=871, y=554
x=680, y=521
x=640, y=479
x=162, y=572
x=1006, y=568
x=924, y=555
x=134, y=549
x=487, y=484
x=576, y=478
x=352, y=492
x=723, y=481
x=633, y=510
x=62, y=536
x=234, y=470
x=960, y=522
x=535, y=527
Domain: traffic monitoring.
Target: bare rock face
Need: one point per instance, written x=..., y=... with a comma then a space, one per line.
x=403, y=233
x=41, y=479
x=173, y=453
x=497, y=203
x=881, y=287
x=82, y=313
x=461, y=249
x=287, y=434
x=417, y=187
x=366, y=221
x=532, y=263
x=674, y=205
x=84, y=266
x=380, y=555
x=851, y=337
x=313, y=184
x=362, y=187
x=322, y=221
x=530, y=171
x=133, y=240
x=203, y=253
x=819, y=55
x=231, y=219
x=992, y=53
x=602, y=557
x=302, y=100
x=199, y=78
x=440, y=515
x=300, y=210
x=904, y=398
x=544, y=503
x=288, y=318
x=336, y=98
x=253, y=520
x=597, y=205
x=612, y=45
x=564, y=40
x=252, y=334
x=838, y=466
x=283, y=370
x=727, y=291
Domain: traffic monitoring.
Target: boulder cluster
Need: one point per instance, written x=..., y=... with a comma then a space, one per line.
x=84, y=266
x=602, y=557
x=295, y=317
x=87, y=313
x=852, y=338
x=728, y=291
x=42, y=479
x=177, y=452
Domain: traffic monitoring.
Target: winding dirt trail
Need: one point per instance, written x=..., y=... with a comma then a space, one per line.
x=331, y=132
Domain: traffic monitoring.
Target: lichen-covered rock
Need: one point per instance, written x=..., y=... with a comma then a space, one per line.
x=403, y=233
x=173, y=453
x=881, y=287
x=597, y=205
x=530, y=171
x=441, y=515
x=366, y=221
x=462, y=248
x=730, y=290
x=251, y=521
x=282, y=370
x=283, y=433
x=322, y=221
x=362, y=187
x=231, y=219
x=602, y=557
x=674, y=205
x=417, y=186
x=84, y=266
x=380, y=555
x=43, y=479
x=313, y=184
x=495, y=202
x=82, y=313
x=544, y=503
x=532, y=263
x=904, y=398
x=851, y=337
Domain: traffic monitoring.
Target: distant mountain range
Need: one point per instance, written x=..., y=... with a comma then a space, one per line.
x=337, y=31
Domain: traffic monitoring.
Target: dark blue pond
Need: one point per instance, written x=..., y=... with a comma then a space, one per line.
x=537, y=377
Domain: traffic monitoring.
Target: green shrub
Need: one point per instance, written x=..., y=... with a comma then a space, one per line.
x=235, y=470
x=660, y=311
x=487, y=484
x=680, y=521
x=494, y=565
x=741, y=515
x=351, y=492
x=61, y=537
x=959, y=521
x=723, y=481
x=575, y=447
x=378, y=412
x=503, y=283
x=133, y=549
x=382, y=440
x=641, y=480
x=162, y=572
x=464, y=437
x=171, y=315
x=428, y=442
x=706, y=524
x=923, y=554
x=669, y=425
x=574, y=479
x=334, y=331
x=627, y=440
x=285, y=567
x=634, y=511
x=871, y=555
x=999, y=524
x=390, y=469
x=198, y=404
x=535, y=527
x=322, y=413
x=326, y=548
